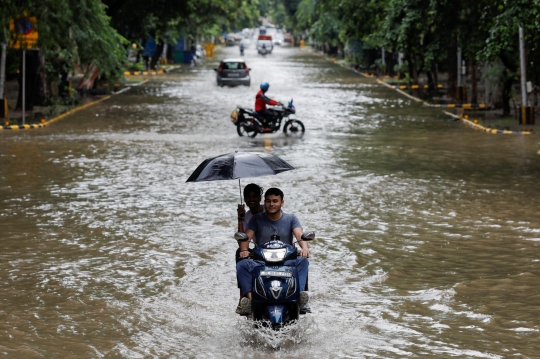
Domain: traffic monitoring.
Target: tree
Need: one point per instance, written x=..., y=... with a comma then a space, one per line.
x=71, y=32
x=502, y=24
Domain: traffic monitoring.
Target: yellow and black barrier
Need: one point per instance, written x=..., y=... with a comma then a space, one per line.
x=22, y=127
x=465, y=106
x=144, y=73
x=151, y=72
x=417, y=87
x=494, y=131
x=526, y=115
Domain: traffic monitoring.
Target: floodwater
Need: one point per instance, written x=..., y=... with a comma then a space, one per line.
x=428, y=232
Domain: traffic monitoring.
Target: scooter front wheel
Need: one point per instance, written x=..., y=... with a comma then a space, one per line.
x=294, y=128
x=243, y=129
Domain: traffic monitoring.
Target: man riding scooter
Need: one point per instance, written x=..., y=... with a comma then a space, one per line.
x=261, y=100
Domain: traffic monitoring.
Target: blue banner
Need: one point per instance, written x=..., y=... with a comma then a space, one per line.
x=149, y=47
x=180, y=45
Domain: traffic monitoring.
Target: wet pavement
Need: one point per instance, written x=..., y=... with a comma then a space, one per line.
x=427, y=243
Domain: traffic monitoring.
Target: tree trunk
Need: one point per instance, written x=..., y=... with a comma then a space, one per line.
x=31, y=80
x=43, y=93
x=170, y=54
x=506, y=90
x=157, y=55
x=474, y=80
x=452, y=70
x=435, y=79
x=508, y=81
x=414, y=69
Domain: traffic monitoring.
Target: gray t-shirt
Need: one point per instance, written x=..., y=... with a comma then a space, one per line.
x=265, y=228
x=248, y=216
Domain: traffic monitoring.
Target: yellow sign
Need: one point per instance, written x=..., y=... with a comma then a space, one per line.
x=24, y=34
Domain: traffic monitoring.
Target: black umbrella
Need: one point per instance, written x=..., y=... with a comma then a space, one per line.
x=236, y=165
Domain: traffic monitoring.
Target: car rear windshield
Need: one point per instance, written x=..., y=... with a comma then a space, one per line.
x=233, y=66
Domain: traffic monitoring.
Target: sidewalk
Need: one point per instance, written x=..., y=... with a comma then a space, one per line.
x=478, y=116
x=41, y=116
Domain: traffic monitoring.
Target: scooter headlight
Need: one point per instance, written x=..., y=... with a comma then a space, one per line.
x=274, y=255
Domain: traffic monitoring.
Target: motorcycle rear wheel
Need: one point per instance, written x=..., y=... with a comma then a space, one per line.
x=244, y=130
x=294, y=128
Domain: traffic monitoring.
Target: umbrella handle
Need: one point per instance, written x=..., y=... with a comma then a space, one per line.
x=240, y=189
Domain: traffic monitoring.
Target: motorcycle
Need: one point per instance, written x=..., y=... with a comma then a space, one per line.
x=276, y=293
x=262, y=51
x=249, y=123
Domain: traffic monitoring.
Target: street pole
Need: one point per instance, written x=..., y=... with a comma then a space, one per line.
x=23, y=84
x=459, y=66
x=2, y=70
x=523, y=76
x=383, y=61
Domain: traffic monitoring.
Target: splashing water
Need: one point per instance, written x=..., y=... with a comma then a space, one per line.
x=261, y=334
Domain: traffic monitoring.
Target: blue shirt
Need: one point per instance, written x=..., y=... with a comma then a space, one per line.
x=264, y=228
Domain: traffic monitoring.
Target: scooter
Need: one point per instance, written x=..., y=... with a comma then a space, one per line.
x=276, y=293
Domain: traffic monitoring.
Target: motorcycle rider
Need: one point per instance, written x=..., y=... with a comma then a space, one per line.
x=241, y=49
x=261, y=227
x=261, y=100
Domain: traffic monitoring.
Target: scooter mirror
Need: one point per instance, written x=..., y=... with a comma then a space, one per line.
x=241, y=237
x=308, y=236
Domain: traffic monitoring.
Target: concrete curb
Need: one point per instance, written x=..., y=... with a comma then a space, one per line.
x=152, y=72
x=458, y=117
x=67, y=113
x=486, y=129
x=465, y=106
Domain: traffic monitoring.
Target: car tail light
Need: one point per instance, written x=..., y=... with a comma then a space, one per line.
x=246, y=68
x=221, y=67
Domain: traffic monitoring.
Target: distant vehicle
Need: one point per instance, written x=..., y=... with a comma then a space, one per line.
x=233, y=72
x=229, y=42
x=267, y=42
x=287, y=38
x=200, y=52
x=262, y=30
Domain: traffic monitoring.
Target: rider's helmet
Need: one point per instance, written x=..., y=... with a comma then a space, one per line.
x=265, y=86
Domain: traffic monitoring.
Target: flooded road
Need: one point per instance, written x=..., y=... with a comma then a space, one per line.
x=428, y=232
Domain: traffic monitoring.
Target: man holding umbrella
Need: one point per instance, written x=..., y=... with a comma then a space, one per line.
x=264, y=227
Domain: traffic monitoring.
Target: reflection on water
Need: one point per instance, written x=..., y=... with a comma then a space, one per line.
x=427, y=232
